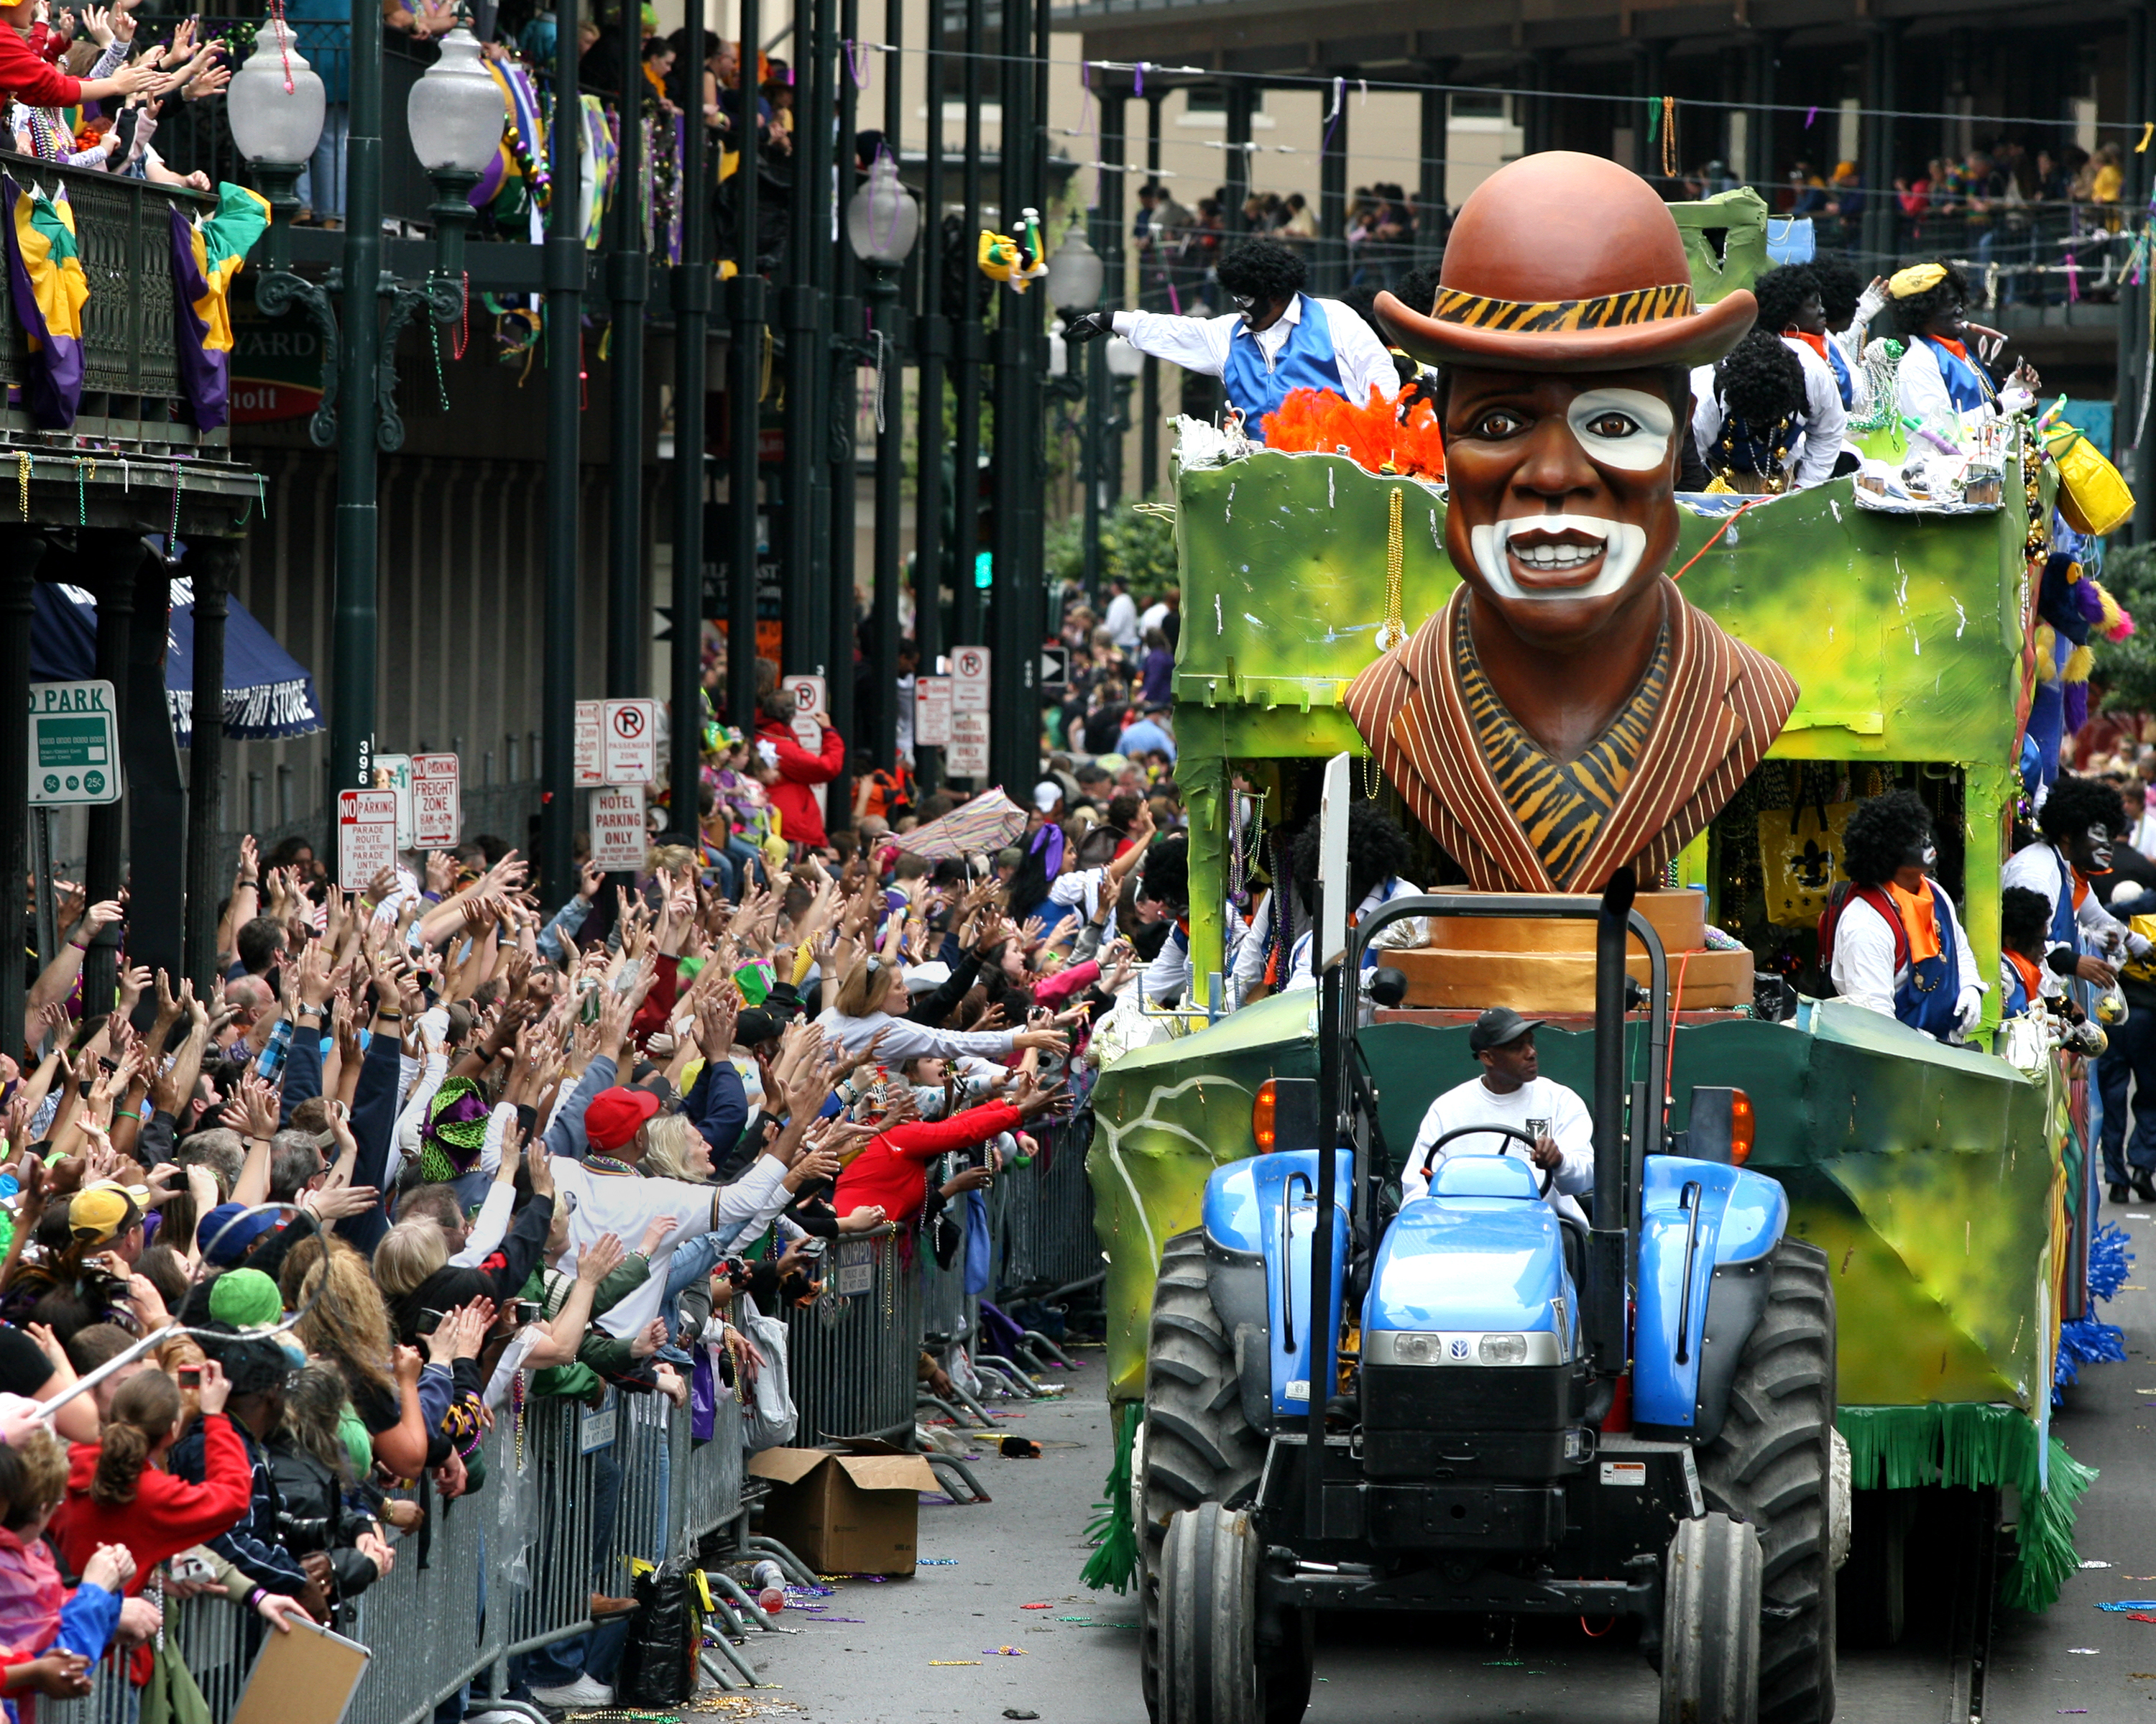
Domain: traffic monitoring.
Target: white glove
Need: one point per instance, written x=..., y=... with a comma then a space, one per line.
x=1968, y=1009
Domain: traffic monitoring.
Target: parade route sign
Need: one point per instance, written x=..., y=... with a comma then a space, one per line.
x=437, y=801
x=969, y=681
x=932, y=712
x=618, y=841
x=366, y=836
x=629, y=740
x=74, y=745
x=968, y=754
x=591, y=757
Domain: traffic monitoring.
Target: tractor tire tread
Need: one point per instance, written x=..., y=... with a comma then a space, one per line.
x=1769, y=1465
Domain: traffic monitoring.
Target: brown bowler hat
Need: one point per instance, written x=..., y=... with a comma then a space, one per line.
x=1566, y=262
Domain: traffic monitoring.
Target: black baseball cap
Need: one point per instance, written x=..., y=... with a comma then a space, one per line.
x=1497, y=1026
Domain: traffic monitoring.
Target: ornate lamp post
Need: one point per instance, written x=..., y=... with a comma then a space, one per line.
x=882, y=222
x=455, y=114
x=1075, y=276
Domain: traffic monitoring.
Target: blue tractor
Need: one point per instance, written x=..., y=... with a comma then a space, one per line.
x=1512, y=1412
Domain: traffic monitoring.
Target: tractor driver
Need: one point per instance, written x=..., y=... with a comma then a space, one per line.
x=1511, y=1091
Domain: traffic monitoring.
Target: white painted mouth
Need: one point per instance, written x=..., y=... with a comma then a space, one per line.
x=1561, y=545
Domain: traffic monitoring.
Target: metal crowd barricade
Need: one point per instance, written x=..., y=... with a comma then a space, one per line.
x=851, y=1355
x=510, y=1567
x=1046, y=1217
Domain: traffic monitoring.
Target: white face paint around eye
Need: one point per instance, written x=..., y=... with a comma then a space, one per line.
x=1643, y=448
x=1623, y=544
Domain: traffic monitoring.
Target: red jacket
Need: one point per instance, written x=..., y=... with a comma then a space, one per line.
x=33, y=83
x=893, y=1170
x=167, y=1516
x=800, y=821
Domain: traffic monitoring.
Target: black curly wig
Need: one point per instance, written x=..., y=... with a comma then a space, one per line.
x=2075, y=804
x=1912, y=314
x=1417, y=289
x=2025, y=921
x=1377, y=850
x=1780, y=292
x=1264, y=270
x=1164, y=875
x=1761, y=380
x=1838, y=289
x=1880, y=834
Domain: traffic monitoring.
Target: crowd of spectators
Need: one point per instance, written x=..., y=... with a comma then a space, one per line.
x=421, y=1153
x=1176, y=247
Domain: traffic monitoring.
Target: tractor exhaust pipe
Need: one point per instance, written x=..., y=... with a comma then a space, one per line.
x=1602, y=1315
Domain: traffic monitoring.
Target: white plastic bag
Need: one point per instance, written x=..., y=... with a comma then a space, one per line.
x=768, y=1416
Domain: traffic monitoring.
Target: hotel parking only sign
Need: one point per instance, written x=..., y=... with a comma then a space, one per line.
x=74, y=745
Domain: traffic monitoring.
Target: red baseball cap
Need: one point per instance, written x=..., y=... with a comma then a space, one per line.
x=614, y=1117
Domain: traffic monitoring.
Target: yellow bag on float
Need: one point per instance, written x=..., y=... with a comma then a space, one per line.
x=2092, y=495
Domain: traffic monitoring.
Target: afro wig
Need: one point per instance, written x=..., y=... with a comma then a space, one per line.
x=1838, y=289
x=2025, y=920
x=1762, y=381
x=1781, y=293
x=1164, y=876
x=2075, y=804
x=1417, y=289
x=1948, y=294
x=1882, y=833
x=1262, y=270
x=1377, y=850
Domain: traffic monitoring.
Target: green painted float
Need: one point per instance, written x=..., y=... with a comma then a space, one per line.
x=1939, y=1180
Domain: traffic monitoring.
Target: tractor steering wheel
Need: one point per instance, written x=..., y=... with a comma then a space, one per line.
x=1549, y=1174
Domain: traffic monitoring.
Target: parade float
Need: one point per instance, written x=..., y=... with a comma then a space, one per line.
x=1947, y=1186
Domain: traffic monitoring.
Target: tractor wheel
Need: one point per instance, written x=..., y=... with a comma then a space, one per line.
x=1195, y=1445
x=1772, y=1465
x=1710, y=1624
x=1215, y=1667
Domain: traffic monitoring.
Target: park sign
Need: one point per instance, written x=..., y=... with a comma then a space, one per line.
x=74, y=745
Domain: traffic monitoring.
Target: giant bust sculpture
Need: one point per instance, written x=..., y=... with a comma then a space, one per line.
x=1568, y=712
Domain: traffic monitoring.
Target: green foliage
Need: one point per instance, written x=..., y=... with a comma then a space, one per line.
x=1139, y=546
x=2126, y=668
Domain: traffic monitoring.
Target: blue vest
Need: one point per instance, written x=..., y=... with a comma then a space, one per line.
x=2017, y=992
x=1305, y=362
x=1842, y=378
x=1967, y=386
x=1926, y=997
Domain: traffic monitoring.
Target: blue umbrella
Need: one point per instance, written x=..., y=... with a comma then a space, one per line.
x=269, y=694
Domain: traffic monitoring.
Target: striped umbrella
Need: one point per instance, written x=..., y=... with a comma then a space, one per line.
x=986, y=823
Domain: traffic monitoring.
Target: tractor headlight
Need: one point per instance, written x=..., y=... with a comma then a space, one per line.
x=1503, y=1350
x=1408, y=1349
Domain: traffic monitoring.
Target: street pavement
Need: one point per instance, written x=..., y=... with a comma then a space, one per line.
x=929, y=1648
x=2039, y=1668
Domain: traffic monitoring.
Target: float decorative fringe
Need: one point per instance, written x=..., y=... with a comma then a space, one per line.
x=1114, y=1560
x=1973, y=1446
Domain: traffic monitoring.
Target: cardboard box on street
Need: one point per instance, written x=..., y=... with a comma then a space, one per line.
x=845, y=1514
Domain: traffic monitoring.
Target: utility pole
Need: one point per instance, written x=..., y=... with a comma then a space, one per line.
x=932, y=344
x=692, y=308
x=744, y=388
x=565, y=316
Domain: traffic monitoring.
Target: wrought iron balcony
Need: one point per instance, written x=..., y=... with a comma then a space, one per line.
x=131, y=385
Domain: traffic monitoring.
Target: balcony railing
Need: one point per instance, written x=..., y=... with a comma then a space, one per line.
x=132, y=384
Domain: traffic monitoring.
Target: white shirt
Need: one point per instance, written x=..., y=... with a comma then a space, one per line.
x=1864, y=970
x=1408, y=931
x=2040, y=867
x=1543, y=1106
x=624, y=1204
x=1203, y=344
x=908, y=1040
x=1121, y=622
x=2143, y=835
x=1818, y=443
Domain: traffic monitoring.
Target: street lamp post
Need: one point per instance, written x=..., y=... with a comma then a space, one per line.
x=455, y=114
x=882, y=222
x=1075, y=276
